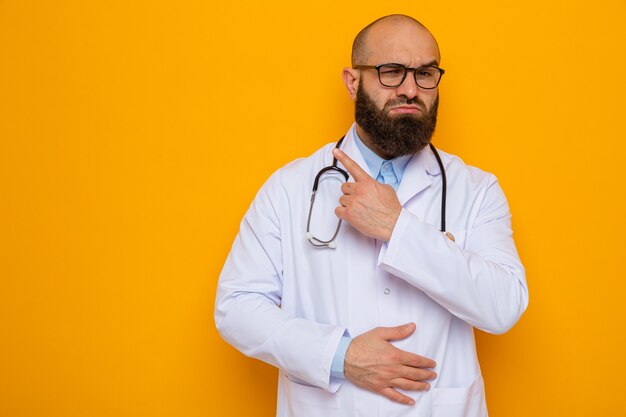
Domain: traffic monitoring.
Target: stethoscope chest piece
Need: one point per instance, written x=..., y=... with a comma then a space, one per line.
x=449, y=236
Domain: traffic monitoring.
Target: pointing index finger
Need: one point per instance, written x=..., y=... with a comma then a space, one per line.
x=353, y=168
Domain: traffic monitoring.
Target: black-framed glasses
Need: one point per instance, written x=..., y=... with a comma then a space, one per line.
x=393, y=75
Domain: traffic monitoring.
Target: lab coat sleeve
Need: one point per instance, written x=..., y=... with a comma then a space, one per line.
x=483, y=284
x=247, y=309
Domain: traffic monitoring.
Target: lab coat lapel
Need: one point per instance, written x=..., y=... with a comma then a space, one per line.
x=416, y=176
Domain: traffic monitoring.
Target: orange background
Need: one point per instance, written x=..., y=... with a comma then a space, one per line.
x=133, y=136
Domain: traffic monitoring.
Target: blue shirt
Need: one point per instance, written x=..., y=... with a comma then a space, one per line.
x=386, y=172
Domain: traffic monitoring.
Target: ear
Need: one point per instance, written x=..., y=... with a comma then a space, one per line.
x=351, y=80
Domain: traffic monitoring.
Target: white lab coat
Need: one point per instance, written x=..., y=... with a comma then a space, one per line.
x=287, y=303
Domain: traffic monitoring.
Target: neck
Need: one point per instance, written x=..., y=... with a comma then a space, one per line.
x=367, y=141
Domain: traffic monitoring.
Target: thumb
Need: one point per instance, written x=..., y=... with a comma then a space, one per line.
x=398, y=332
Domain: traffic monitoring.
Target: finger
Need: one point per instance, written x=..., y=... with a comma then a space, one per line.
x=344, y=200
x=397, y=332
x=410, y=385
x=346, y=187
x=417, y=374
x=341, y=212
x=416, y=361
x=353, y=168
x=394, y=395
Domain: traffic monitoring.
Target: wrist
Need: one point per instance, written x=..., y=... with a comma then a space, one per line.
x=392, y=225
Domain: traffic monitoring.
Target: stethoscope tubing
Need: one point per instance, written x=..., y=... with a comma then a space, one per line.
x=334, y=167
x=444, y=187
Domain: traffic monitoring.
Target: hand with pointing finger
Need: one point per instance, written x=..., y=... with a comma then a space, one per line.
x=376, y=365
x=369, y=206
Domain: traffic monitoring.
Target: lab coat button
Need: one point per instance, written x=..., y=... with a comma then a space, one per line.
x=387, y=291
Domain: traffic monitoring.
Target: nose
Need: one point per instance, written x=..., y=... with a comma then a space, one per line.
x=409, y=87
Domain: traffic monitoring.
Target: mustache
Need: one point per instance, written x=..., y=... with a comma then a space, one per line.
x=403, y=100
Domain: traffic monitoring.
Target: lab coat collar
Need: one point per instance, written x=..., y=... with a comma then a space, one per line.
x=417, y=175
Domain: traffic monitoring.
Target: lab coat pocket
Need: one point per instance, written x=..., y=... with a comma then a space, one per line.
x=309, y=401
x=460, y=402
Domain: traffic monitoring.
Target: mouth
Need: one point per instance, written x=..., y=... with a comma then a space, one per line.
x=406, y=109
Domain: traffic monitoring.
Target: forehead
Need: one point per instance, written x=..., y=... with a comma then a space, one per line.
x=401, y=42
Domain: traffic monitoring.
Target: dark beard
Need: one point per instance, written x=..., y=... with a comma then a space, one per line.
x=395, y=136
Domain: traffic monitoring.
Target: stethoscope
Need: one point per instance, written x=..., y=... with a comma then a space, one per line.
x=330, y=243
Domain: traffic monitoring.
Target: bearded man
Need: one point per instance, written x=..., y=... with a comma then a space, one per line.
x=365, y=291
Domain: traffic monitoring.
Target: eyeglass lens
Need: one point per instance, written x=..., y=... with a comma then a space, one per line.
x=393, y=75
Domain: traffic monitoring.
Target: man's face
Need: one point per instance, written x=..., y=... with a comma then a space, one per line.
x=396, y=120
x=394, y=133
